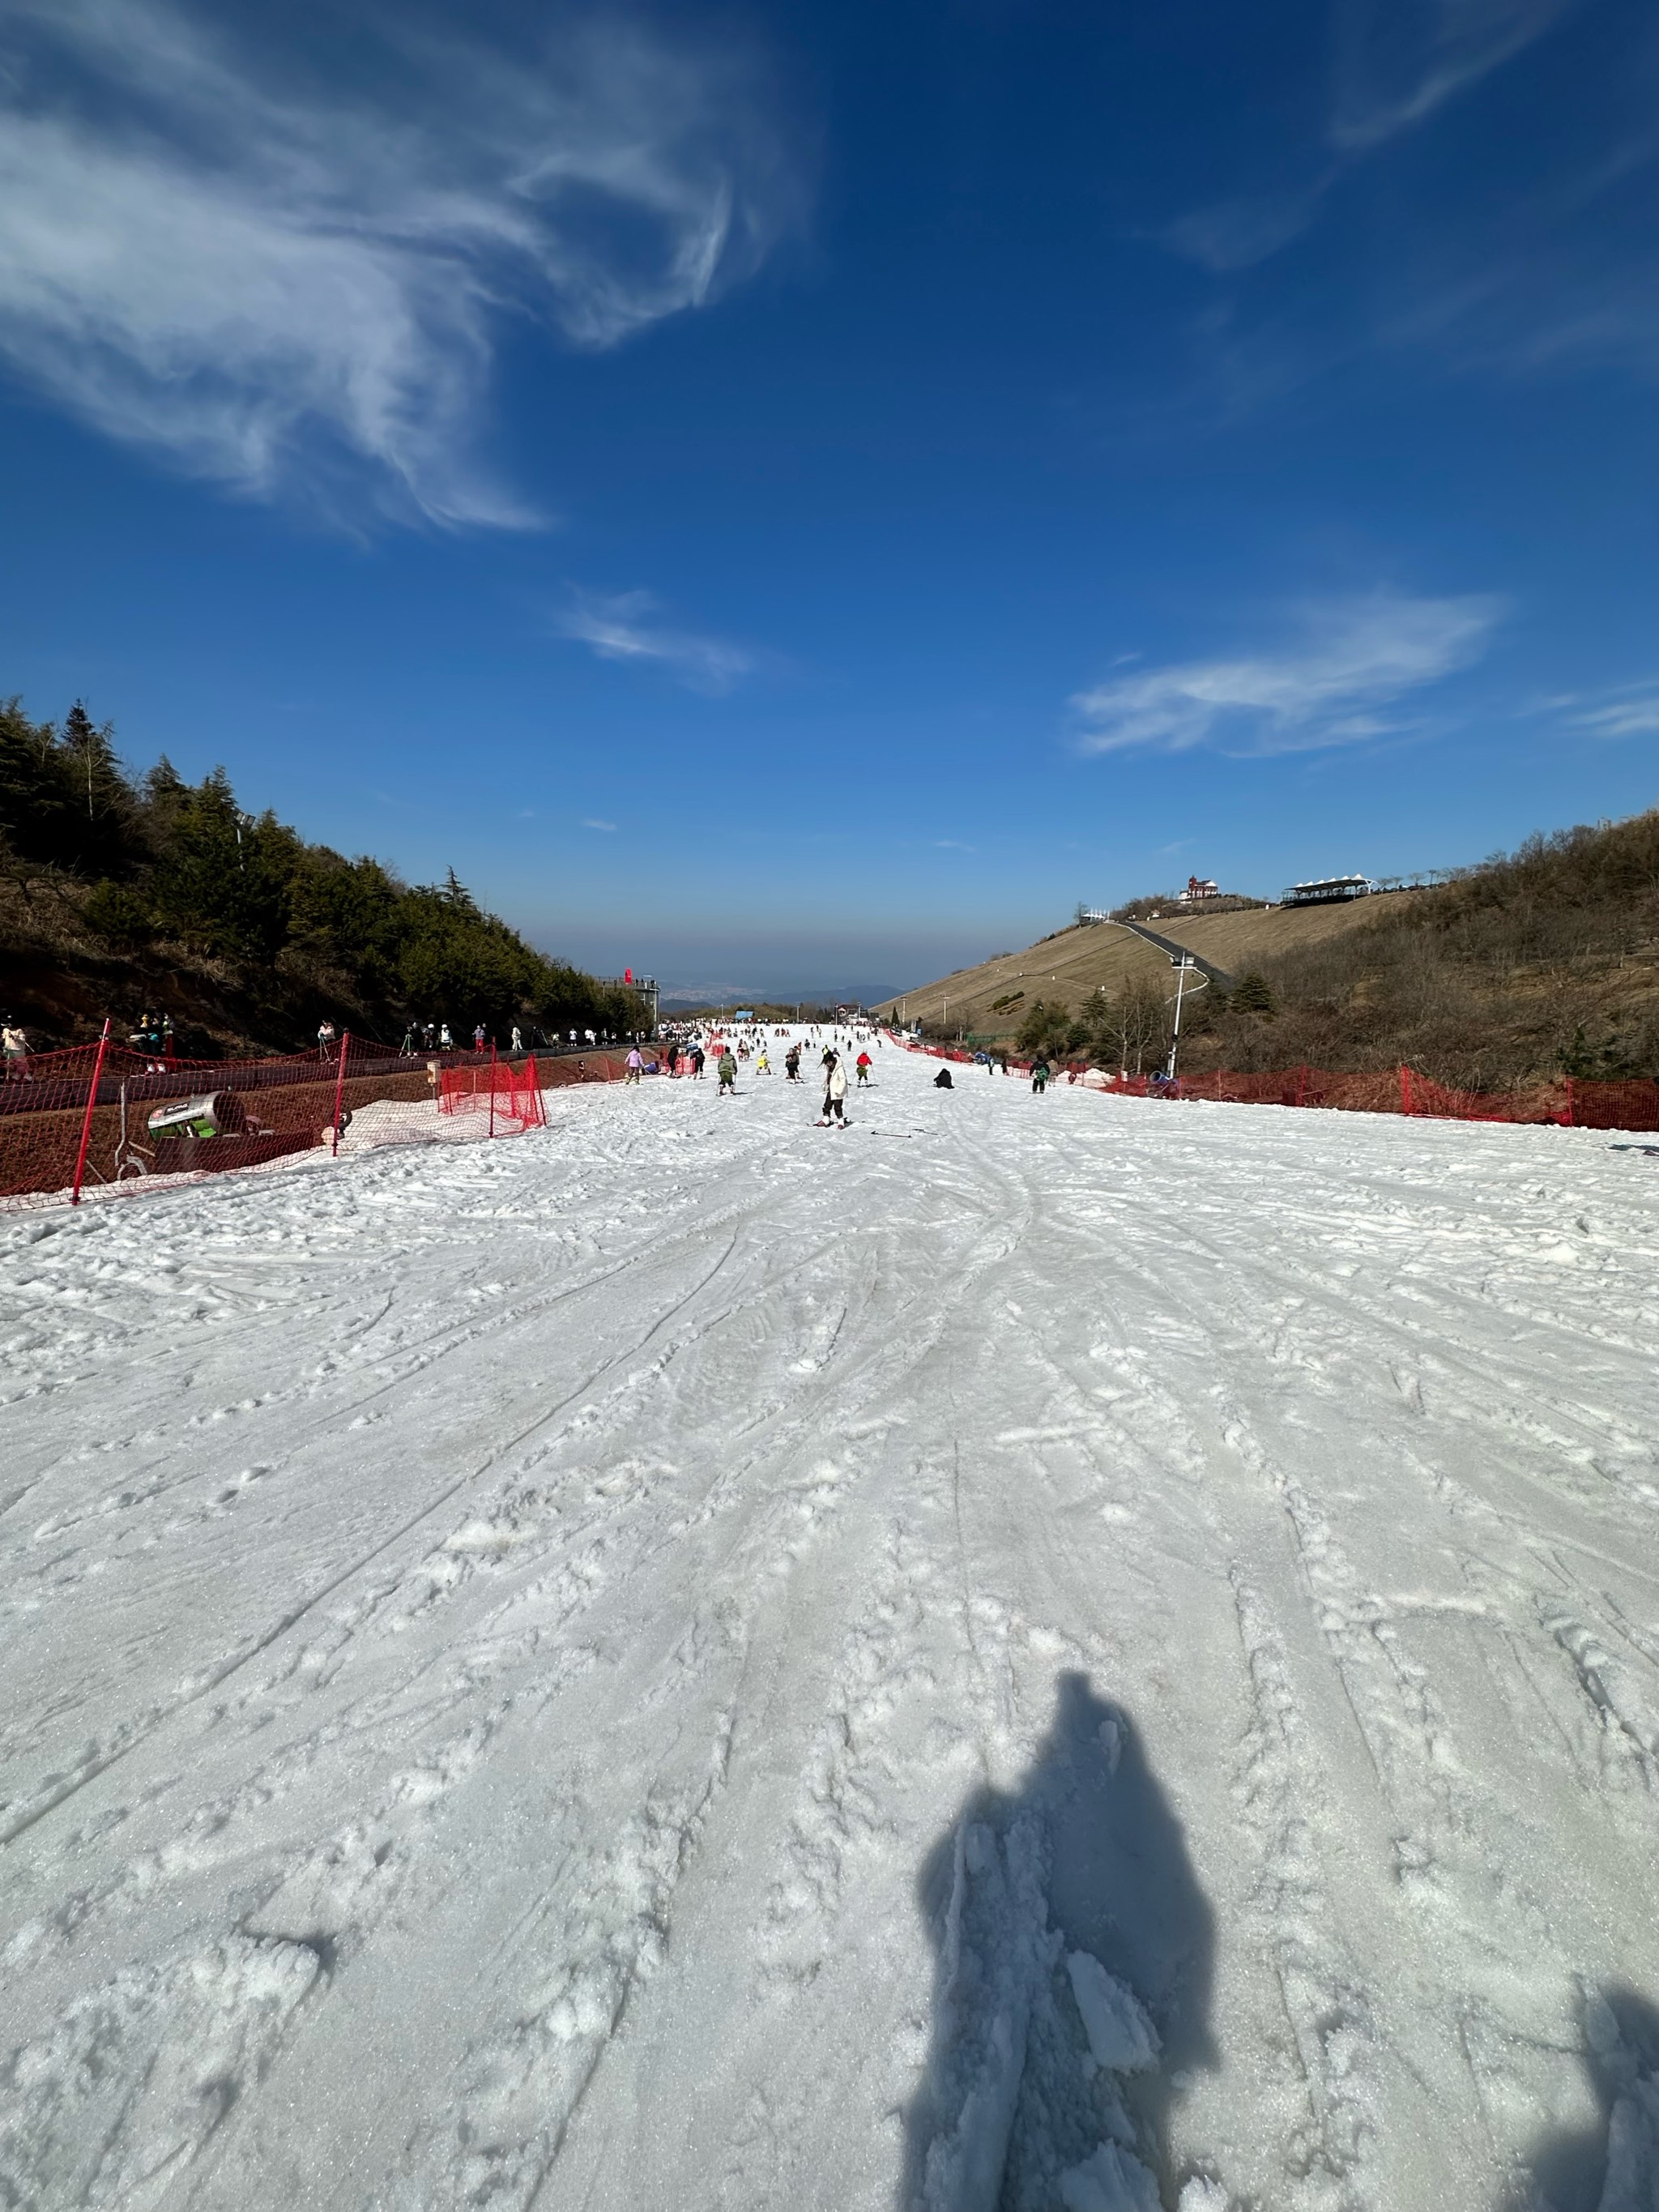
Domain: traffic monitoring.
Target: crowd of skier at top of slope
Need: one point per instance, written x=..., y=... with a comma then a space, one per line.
x=154, y=1036
x=689, y=1048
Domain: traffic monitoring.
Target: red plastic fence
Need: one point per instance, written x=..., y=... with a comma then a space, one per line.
x=257, y=1110
x=1568, y=1101
x=510, y=1095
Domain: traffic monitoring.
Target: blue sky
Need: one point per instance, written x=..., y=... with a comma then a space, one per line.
x=796, y=496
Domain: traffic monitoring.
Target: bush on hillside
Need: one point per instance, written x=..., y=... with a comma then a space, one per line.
x=119, y=916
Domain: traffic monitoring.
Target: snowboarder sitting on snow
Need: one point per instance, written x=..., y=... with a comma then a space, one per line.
x=835, y=1093
x=727, y=1072
x=942, y=1080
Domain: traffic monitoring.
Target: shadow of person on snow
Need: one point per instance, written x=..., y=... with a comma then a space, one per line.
x=1072, y=1992
x=1613, y=2166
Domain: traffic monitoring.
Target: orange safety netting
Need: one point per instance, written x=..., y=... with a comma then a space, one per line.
x=1569, y=1102
x=142, y=1115
x=508, y=1093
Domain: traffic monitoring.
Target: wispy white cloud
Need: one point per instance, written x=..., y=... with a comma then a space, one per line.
x=1630, y=711
x=1354, y=660
x=626, y=626
x=1399, y=60
x=1237, y=234
x=590, y=821
x=953, y=845
x=203, y=253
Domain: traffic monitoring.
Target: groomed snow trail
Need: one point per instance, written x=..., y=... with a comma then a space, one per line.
x=1038, y=1653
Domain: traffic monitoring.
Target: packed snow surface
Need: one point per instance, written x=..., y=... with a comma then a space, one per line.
x=1034, y=1653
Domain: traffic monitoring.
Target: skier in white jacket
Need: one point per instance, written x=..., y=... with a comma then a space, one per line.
x=835, y=1093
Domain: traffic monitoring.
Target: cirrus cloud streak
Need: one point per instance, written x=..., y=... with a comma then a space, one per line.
x=205, y=253
x=626, y=626
x=1354, y=660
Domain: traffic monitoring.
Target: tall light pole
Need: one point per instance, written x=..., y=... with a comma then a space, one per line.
x=1182, y=967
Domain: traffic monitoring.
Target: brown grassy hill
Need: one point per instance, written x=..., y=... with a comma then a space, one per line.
x=1241, y=942
x=1540, y=962
x=1074, y=965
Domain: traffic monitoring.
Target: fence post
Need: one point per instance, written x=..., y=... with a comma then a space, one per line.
x=492, y=1086
x=86, y=1124
x=339, y=1090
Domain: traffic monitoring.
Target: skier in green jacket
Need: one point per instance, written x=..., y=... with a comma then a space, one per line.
x=726, y=1069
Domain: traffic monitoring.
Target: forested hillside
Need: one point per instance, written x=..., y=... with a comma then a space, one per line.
x=119, y=894
x=1540, y=962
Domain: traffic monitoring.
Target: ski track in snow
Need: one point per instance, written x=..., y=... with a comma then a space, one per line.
x=1101, y=1655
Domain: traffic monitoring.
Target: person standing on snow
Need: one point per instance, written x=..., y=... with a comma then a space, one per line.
x=1040, y=1076
x=726, y=1069
x=518, y=1038
x=834, y=1094
x=865, y=1064
x=792, y=1063
x=636, y=1064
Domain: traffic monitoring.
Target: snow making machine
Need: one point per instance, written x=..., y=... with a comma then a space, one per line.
x=213, y=1129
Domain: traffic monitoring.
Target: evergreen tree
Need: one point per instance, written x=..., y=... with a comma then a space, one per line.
x=224, y=878
x=1253, y=994
x=298, y=930
x=101, y=799
x=34, y=793
x=1048, y=1027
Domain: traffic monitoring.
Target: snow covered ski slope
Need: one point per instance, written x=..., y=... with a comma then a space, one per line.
x=1061, y=1653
